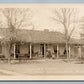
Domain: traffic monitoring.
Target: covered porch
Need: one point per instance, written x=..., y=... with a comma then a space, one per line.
x=43, y=50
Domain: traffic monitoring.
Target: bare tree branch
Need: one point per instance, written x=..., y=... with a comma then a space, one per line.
x=71, y=33
x=55, y=19
x=65, y=16
x=15, y=18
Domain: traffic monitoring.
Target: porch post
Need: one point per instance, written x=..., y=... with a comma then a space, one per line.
x=57, y=51
x=14, y=51
x=79, y=51
x=74, y=51
x=44, y=50
x=30, y=51
x=69, y=51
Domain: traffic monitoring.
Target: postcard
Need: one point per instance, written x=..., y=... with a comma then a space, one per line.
x=41, y=42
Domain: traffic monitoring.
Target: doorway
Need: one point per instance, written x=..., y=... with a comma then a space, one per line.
x=42, y=49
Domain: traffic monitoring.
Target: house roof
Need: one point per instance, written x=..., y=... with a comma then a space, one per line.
x=35, y=36
x=40, y=36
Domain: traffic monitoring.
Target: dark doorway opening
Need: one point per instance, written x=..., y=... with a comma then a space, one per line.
x=42, y=49
x=17, y=50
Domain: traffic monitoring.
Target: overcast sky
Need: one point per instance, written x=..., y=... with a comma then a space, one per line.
x=42, y=20
x=42, y=14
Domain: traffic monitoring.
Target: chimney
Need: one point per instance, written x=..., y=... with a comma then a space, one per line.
x=46, y=30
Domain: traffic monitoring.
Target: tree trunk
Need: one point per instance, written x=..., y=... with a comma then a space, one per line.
x=67, y=53
x=7, y=53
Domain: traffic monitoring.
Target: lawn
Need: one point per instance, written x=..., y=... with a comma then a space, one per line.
x=42, y=67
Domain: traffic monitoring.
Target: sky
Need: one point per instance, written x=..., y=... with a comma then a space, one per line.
x=42, y=16
x=43, y=20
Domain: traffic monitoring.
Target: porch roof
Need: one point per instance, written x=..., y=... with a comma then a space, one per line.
x=74, y=41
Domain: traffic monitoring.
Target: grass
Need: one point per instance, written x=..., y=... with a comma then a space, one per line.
x=44, y=67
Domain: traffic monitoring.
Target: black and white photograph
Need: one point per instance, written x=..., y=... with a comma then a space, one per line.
x=41, y=40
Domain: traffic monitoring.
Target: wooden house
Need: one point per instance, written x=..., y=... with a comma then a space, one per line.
x=35, y=44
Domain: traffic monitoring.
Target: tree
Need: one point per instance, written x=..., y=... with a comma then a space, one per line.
x=81, y=24
x=67, y=18
x=15, y=19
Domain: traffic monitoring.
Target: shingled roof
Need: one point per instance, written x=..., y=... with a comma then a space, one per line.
x=35, y=36
x=40, y=36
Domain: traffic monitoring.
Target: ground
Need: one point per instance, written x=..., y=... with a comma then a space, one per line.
x=41, y=67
